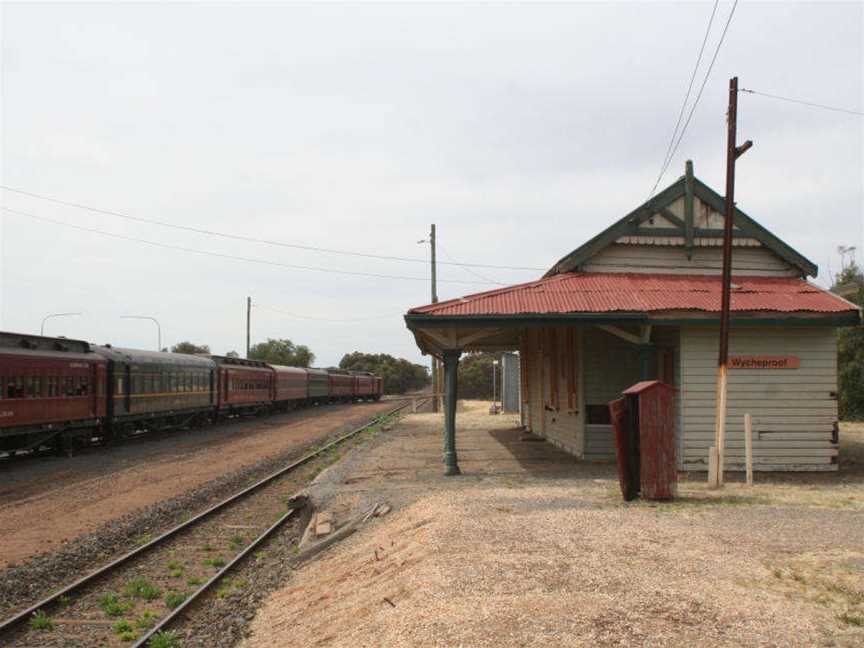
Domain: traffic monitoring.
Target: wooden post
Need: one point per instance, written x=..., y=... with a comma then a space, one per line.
x=712, y=465
x=748, y=447
x=733, y=152
x=451, y=365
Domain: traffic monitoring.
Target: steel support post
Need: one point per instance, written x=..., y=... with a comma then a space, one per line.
x=451, y=366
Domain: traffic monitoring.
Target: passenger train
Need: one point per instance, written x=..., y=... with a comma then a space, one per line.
x=63, y=393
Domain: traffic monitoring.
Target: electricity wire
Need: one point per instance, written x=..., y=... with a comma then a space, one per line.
x=292, y=266
x=240, y=237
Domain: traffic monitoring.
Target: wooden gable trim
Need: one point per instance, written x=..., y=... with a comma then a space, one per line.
x=622, y=227
x=629, y=225
x=688, y=208
x=752, y=229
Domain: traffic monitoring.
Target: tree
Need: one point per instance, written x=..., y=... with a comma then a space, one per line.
x=399, y=375
x=282, y=352
x=850, y=348
x=190, y=348
x=475, y=376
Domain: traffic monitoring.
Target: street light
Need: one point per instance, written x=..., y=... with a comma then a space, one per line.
x=47, y=317
x=152, y=319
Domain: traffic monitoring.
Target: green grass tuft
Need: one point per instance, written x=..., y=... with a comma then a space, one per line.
x=141, y=588
x=173, y=599
x=163, y=640
x=121, y=626
x=147, y=620
x=112, y=606
x=41, y=621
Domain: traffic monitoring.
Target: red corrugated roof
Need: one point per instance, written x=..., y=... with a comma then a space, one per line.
x=642, y=293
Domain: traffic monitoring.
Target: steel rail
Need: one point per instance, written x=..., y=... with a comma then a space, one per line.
x=166, y=621
x=19, y=618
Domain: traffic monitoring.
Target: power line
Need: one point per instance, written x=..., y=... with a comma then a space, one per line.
x=323, y=319
x=664, y=164
x=240, y=237
x=699, y=95
x=220, y=255
x=473, y=272
x=802, y=102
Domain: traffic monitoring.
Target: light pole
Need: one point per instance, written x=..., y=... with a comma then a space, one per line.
x=152, y=319
x=47, y=317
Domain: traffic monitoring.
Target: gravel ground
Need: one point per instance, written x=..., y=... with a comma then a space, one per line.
x=530, y=548
x=24, y=583
x=47, y=501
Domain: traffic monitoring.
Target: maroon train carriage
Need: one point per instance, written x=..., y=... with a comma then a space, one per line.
x=366, y=385
x=341, y=385
x=48, y=386
x=290, y=386
x=245, y=386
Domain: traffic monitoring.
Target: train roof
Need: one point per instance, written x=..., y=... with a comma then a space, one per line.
x=59, y=356
x=119, y=354
x=240, y=362
x=287, y=369
x=316, y=371
x=42, y=343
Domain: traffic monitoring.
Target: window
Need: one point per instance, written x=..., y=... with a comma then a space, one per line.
x=120, y=386
x=84, y=386
x=68, y=386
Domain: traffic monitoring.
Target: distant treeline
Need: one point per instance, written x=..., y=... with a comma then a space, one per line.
x=850, y=349
x=399, y=375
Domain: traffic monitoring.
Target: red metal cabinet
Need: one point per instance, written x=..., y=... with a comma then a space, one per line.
x=644, y=424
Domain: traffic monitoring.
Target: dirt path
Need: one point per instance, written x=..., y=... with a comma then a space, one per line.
x=46, y=502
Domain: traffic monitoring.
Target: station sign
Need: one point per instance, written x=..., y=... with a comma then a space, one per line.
x=764, y=362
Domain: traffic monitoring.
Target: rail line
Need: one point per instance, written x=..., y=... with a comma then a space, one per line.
x=15, y=622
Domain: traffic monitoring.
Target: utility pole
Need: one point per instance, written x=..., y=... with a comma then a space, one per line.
x=435, y=372
x=733, y=152
x=248, y=323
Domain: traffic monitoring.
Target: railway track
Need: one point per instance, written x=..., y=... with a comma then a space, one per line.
x=160, y=581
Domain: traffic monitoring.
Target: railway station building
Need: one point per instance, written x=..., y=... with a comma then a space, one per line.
x=641, y=300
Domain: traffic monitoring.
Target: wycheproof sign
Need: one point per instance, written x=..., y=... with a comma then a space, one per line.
x=764, y=362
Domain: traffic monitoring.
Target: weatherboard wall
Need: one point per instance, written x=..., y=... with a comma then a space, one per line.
x=794, y=410
x=673, y=259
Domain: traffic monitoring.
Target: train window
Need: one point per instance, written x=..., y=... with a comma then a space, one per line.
x=68, y=386
x=120, y=386
x=84, y=386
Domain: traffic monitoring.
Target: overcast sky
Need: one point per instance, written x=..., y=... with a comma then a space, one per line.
x=521, y=130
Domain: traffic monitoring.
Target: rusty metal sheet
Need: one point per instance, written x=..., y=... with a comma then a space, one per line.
x=641, y=293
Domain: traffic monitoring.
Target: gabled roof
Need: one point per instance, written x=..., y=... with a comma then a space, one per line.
x=597, y=292
x=630, y=225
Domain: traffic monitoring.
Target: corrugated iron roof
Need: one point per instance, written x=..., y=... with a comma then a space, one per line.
x=642, y=293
